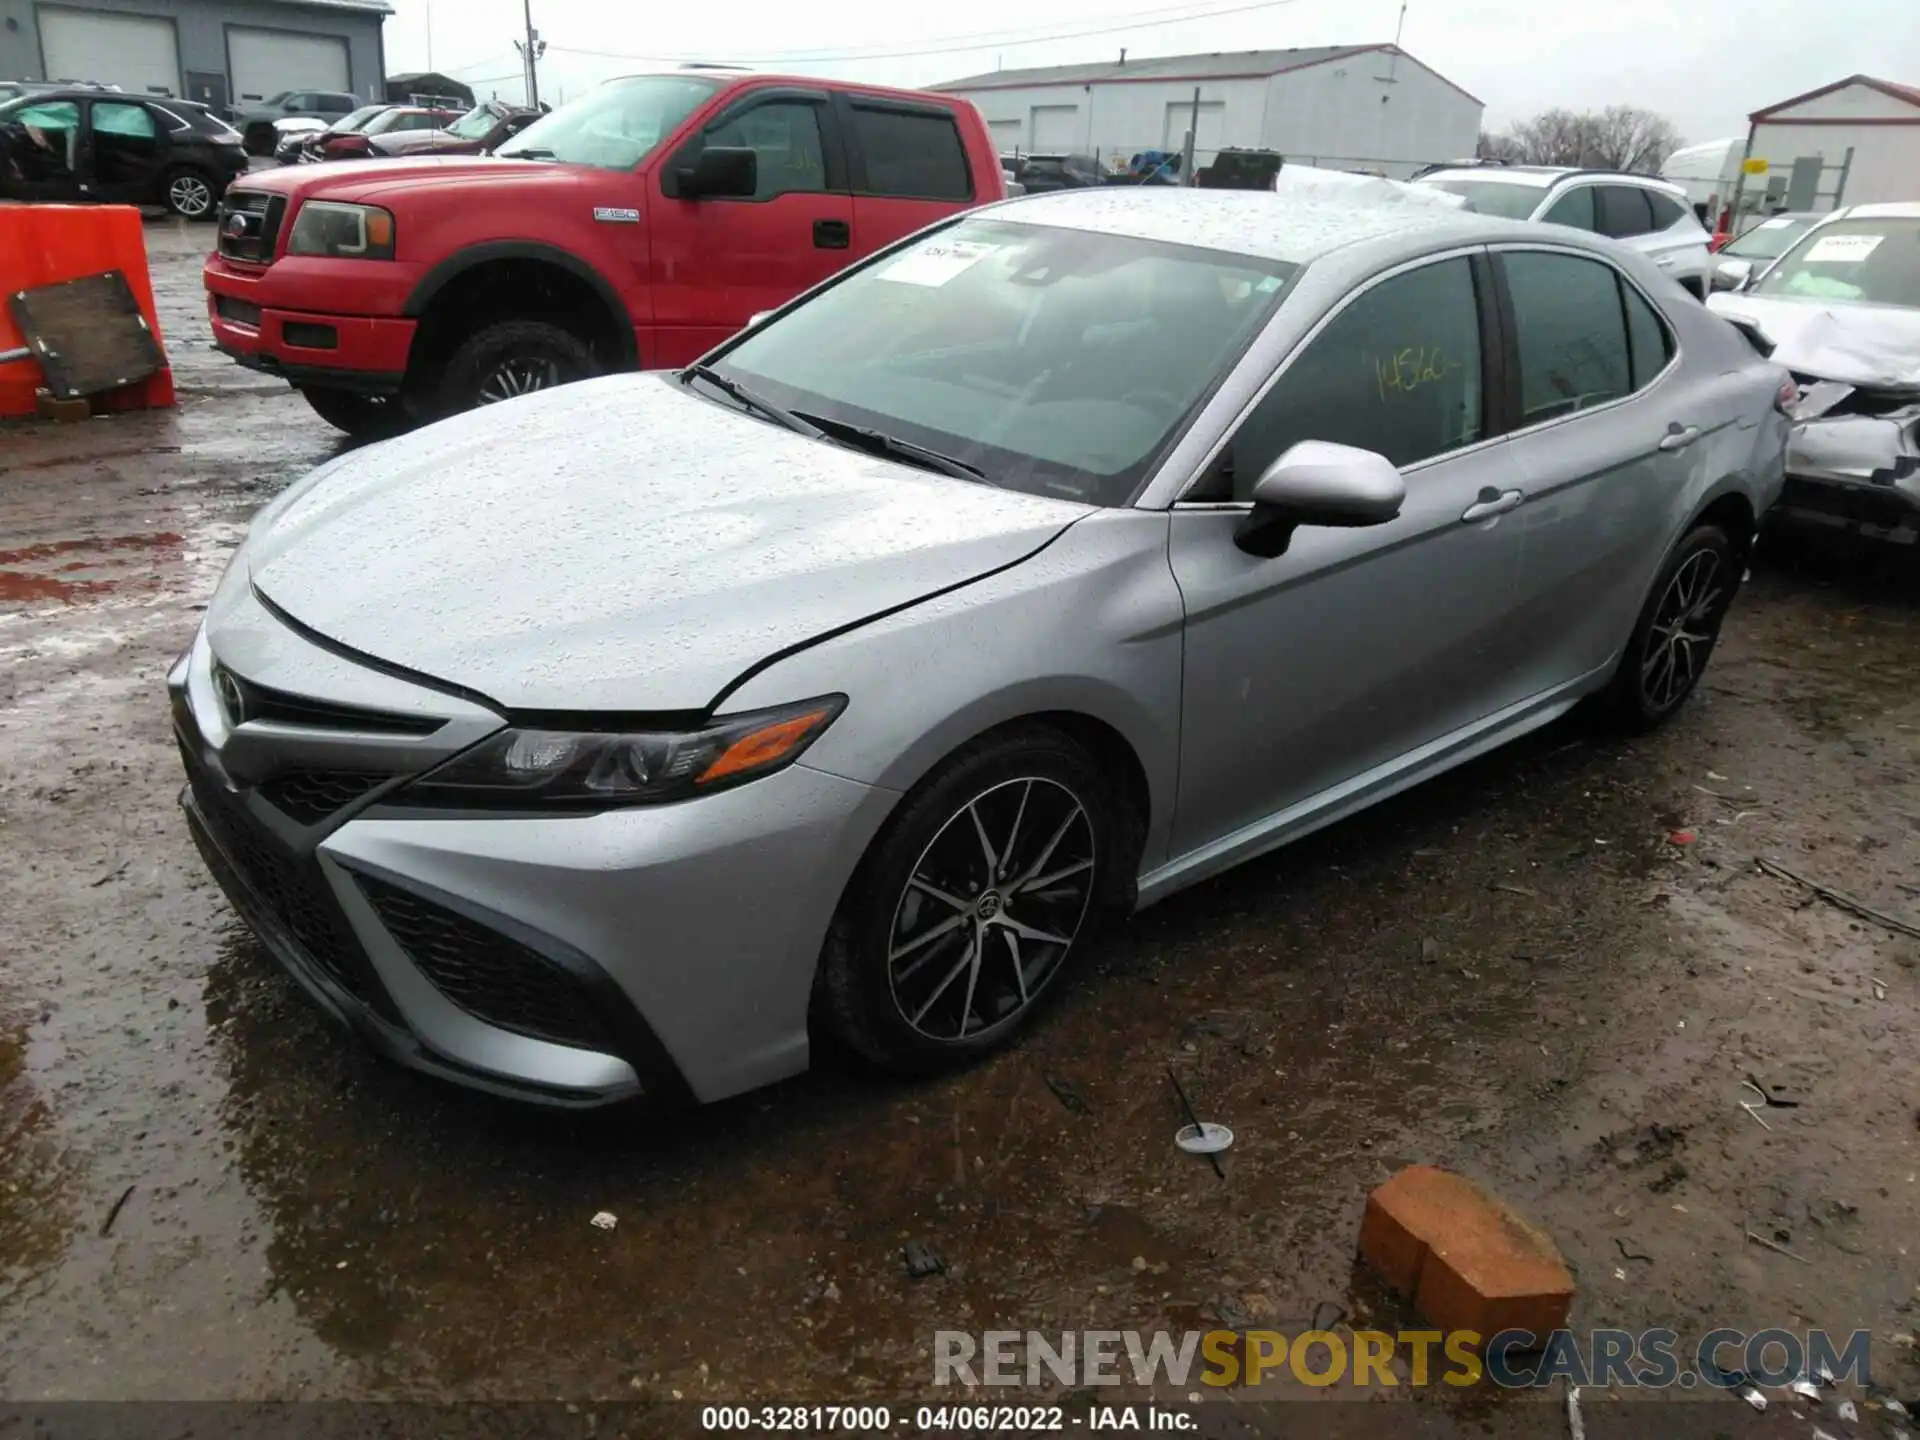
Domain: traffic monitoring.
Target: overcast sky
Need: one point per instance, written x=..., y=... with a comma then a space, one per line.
x=1703, y=63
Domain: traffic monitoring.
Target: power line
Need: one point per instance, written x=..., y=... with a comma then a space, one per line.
x=816, y=57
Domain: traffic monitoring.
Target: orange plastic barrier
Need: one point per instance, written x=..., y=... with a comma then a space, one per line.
x=45, y=244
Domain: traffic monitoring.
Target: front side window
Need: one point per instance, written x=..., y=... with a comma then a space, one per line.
x=612, y=128
x=1875, y=262
x=784, y=136
x=912, y=155
x=1574, y=208
x=1055, y=361
x=1510, y=199
x=1624, y=211
x=1397, y=372
x=1571, y=332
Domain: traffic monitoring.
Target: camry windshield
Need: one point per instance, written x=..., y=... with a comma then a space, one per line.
x=614, y=127
x=359, y=118
x=1494, y=197
x=1054, y=361
x=1874, y=262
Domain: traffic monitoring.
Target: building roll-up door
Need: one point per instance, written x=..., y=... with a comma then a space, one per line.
x=1006, y=135
x=1056, y=129
x=265, y=62
x=136, y=52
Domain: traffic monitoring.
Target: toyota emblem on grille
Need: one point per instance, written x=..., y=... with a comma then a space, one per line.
x=231, y=699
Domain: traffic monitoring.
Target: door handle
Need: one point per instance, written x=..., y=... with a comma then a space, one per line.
x=1666, y=261
x=1679, y=436
x=832, y=235
x=1491, y=503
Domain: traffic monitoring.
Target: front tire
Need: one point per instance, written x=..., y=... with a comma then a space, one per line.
x=191, y=195
x=364, y=417
x=512, y=358
x=1677, y=630
x=987, y=883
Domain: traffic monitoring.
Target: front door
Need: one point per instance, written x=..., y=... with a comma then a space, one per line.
x=40, y=153
x=124, y=148
x=1310, y=675
x=716, y=262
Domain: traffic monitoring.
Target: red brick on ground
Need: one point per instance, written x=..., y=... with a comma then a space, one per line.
x=1465, y=1260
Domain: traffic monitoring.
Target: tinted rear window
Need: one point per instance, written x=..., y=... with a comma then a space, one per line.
x=912, y=154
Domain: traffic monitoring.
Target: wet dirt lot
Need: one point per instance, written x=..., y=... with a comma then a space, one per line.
x=1515, y=973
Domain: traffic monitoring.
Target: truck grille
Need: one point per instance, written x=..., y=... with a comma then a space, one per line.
x=493, y=978
x=250, y=225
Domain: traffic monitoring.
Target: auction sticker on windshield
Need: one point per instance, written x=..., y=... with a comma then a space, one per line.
x=936, y=262
x=1842, y=248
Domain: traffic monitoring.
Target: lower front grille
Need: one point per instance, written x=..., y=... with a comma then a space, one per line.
x=493, y=978
x=310, y=796
x=292, y=891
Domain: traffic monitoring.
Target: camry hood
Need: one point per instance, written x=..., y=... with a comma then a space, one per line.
x=619, y=545
x=1875, y=347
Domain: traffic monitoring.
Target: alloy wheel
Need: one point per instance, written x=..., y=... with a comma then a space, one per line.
x=522, y=375
x=1683, y=631
x=991, y=908
x=190, y=196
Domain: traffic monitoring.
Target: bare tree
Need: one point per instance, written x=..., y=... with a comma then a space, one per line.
x=1621, y=137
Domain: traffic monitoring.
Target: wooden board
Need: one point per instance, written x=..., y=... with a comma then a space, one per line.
x=88, y=334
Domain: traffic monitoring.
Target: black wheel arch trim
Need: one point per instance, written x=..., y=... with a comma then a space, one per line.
x=459, y=263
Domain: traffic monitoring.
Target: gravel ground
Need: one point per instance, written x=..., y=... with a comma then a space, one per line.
x=1515, y=972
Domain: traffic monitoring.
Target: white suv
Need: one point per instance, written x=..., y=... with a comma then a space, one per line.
x=1650, y=215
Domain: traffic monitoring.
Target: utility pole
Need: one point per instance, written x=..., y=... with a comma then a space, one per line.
x=531, y=49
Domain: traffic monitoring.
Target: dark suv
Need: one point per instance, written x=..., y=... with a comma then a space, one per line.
x=67, y=145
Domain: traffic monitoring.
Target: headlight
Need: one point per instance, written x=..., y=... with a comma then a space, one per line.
x=345, y=232
x=595, y=770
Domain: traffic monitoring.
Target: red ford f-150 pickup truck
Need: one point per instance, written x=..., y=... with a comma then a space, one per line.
x=636, y=227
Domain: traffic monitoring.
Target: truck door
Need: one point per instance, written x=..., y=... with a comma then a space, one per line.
x=716, y=261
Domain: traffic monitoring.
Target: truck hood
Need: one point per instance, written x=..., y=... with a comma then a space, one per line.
x=387, y=180
x=619, y=545
x=1874, y=347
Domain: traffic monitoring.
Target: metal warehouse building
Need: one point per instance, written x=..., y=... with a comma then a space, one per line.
x=1346, y=107
x=1857, y=139
x=222, y=52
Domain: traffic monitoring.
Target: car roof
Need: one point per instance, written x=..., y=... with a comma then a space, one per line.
x=1886, y=210
x=1256, y=223
x=1543, y=176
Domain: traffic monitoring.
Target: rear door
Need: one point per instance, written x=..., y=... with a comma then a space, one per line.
x=1607, y=430
x=126, y=151
x=908, y=166
x=716, y=262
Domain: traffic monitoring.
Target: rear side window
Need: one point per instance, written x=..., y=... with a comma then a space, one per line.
x=1397, y=372
x=1648, y=341
x=912, y=154
x=1574, y=208
x=1624, y=211
x=1570, y=331
x=1667, y=211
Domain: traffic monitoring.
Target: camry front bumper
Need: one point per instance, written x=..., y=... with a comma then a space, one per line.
x=571, y=960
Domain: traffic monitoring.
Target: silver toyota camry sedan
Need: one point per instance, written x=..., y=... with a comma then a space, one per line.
x=628, y=736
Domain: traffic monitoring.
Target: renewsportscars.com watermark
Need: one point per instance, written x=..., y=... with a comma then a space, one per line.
x=1514, y=1359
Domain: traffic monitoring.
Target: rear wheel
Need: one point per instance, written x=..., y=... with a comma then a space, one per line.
x=987, y=883
x=512, y=358
x=191, y=195
x=1677, y=630
x=365, y=417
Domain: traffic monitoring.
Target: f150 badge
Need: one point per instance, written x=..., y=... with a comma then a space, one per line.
x=613, y=216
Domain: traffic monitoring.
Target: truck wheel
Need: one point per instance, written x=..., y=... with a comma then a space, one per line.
x=364, y=417
x=191, y=195
x=513, y=358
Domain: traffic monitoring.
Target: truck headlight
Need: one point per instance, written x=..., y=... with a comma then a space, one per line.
x=343, y=232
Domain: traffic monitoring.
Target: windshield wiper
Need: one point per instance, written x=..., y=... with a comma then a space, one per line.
x=739, y=393
x=535, y=153
x=878, y=442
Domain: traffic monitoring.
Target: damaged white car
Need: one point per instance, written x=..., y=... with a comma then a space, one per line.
x=1842, y=312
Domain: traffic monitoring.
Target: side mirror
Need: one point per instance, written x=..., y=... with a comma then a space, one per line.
x=727, y=171
x=1732, y=275
x=1319, y=483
